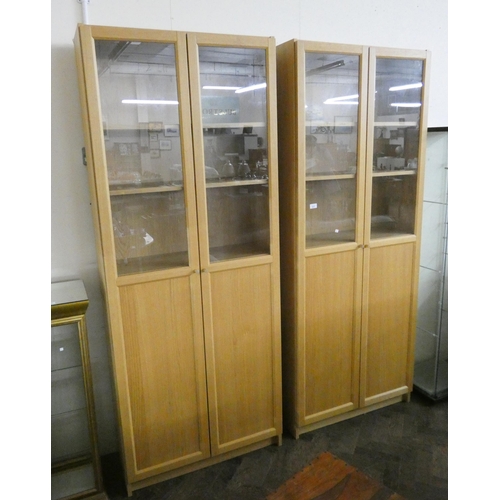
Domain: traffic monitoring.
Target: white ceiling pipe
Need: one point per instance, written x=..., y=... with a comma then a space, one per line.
x=85, y=11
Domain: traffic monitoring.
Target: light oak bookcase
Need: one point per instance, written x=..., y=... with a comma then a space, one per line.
x=185, y=200
x=352, y=123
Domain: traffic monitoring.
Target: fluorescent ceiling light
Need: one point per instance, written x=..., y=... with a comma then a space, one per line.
x=251, y=87
x=219, y=87
x=148, y=101
x=406, y=87
x=342, y=100
x=406, y=104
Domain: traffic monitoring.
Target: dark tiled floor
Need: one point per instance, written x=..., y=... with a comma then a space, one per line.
x=404, y=446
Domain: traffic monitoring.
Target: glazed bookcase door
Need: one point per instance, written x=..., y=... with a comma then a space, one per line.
x=233, y=93
x=139, y=98
x=331, y=189
x=139, y=152
x=395, y=158
x=396, y=118
x=331, y=127
x=322, y=106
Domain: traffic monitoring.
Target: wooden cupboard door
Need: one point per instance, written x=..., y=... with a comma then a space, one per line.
x=166, y=425
x=331, y=335
x=243, y=357
x=388, y=334
x=233, y=101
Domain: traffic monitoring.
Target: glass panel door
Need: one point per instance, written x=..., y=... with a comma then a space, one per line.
x=140, y=113
x=331, y=138
x=235, y=138
x=398, y=101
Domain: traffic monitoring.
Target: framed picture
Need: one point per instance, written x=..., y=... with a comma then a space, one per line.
x=154, y=153
x=165, y=144
x=155, y=126
x=171, y=131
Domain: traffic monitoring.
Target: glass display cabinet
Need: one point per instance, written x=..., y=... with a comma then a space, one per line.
x=181, y=137
x=76, y=471
x=431, y=347
x=351, y=163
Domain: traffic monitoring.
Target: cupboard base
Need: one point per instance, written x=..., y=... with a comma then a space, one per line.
x=131, y=487
x=298, y=431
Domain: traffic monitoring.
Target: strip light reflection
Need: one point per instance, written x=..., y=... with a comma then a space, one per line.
x=342, y=100
x=406, y=87
x=219, y=87
x=251, y=87
x=148, y=101
x=406, y=104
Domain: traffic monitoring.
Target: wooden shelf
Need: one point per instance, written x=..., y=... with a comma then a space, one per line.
x=395, y=124
x=152, y=263
x=327, y=177
x=210, y=184
x=331, y=238
x=394, y=173
x=233, y=183
x=321, y=123
x=145, y=190
x=377, y=234
x=228, y=252
x=234, y=125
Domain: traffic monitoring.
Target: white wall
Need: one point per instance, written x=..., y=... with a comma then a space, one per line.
x=419, y=24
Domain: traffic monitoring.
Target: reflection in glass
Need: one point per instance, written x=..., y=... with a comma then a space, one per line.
x=331, y=128
x=238, y=225
x=398, y=101
x=393, y=205
x=234, y=119
x=331, y=140
x=330, y=212
x=140, y=113
x=145, y=226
